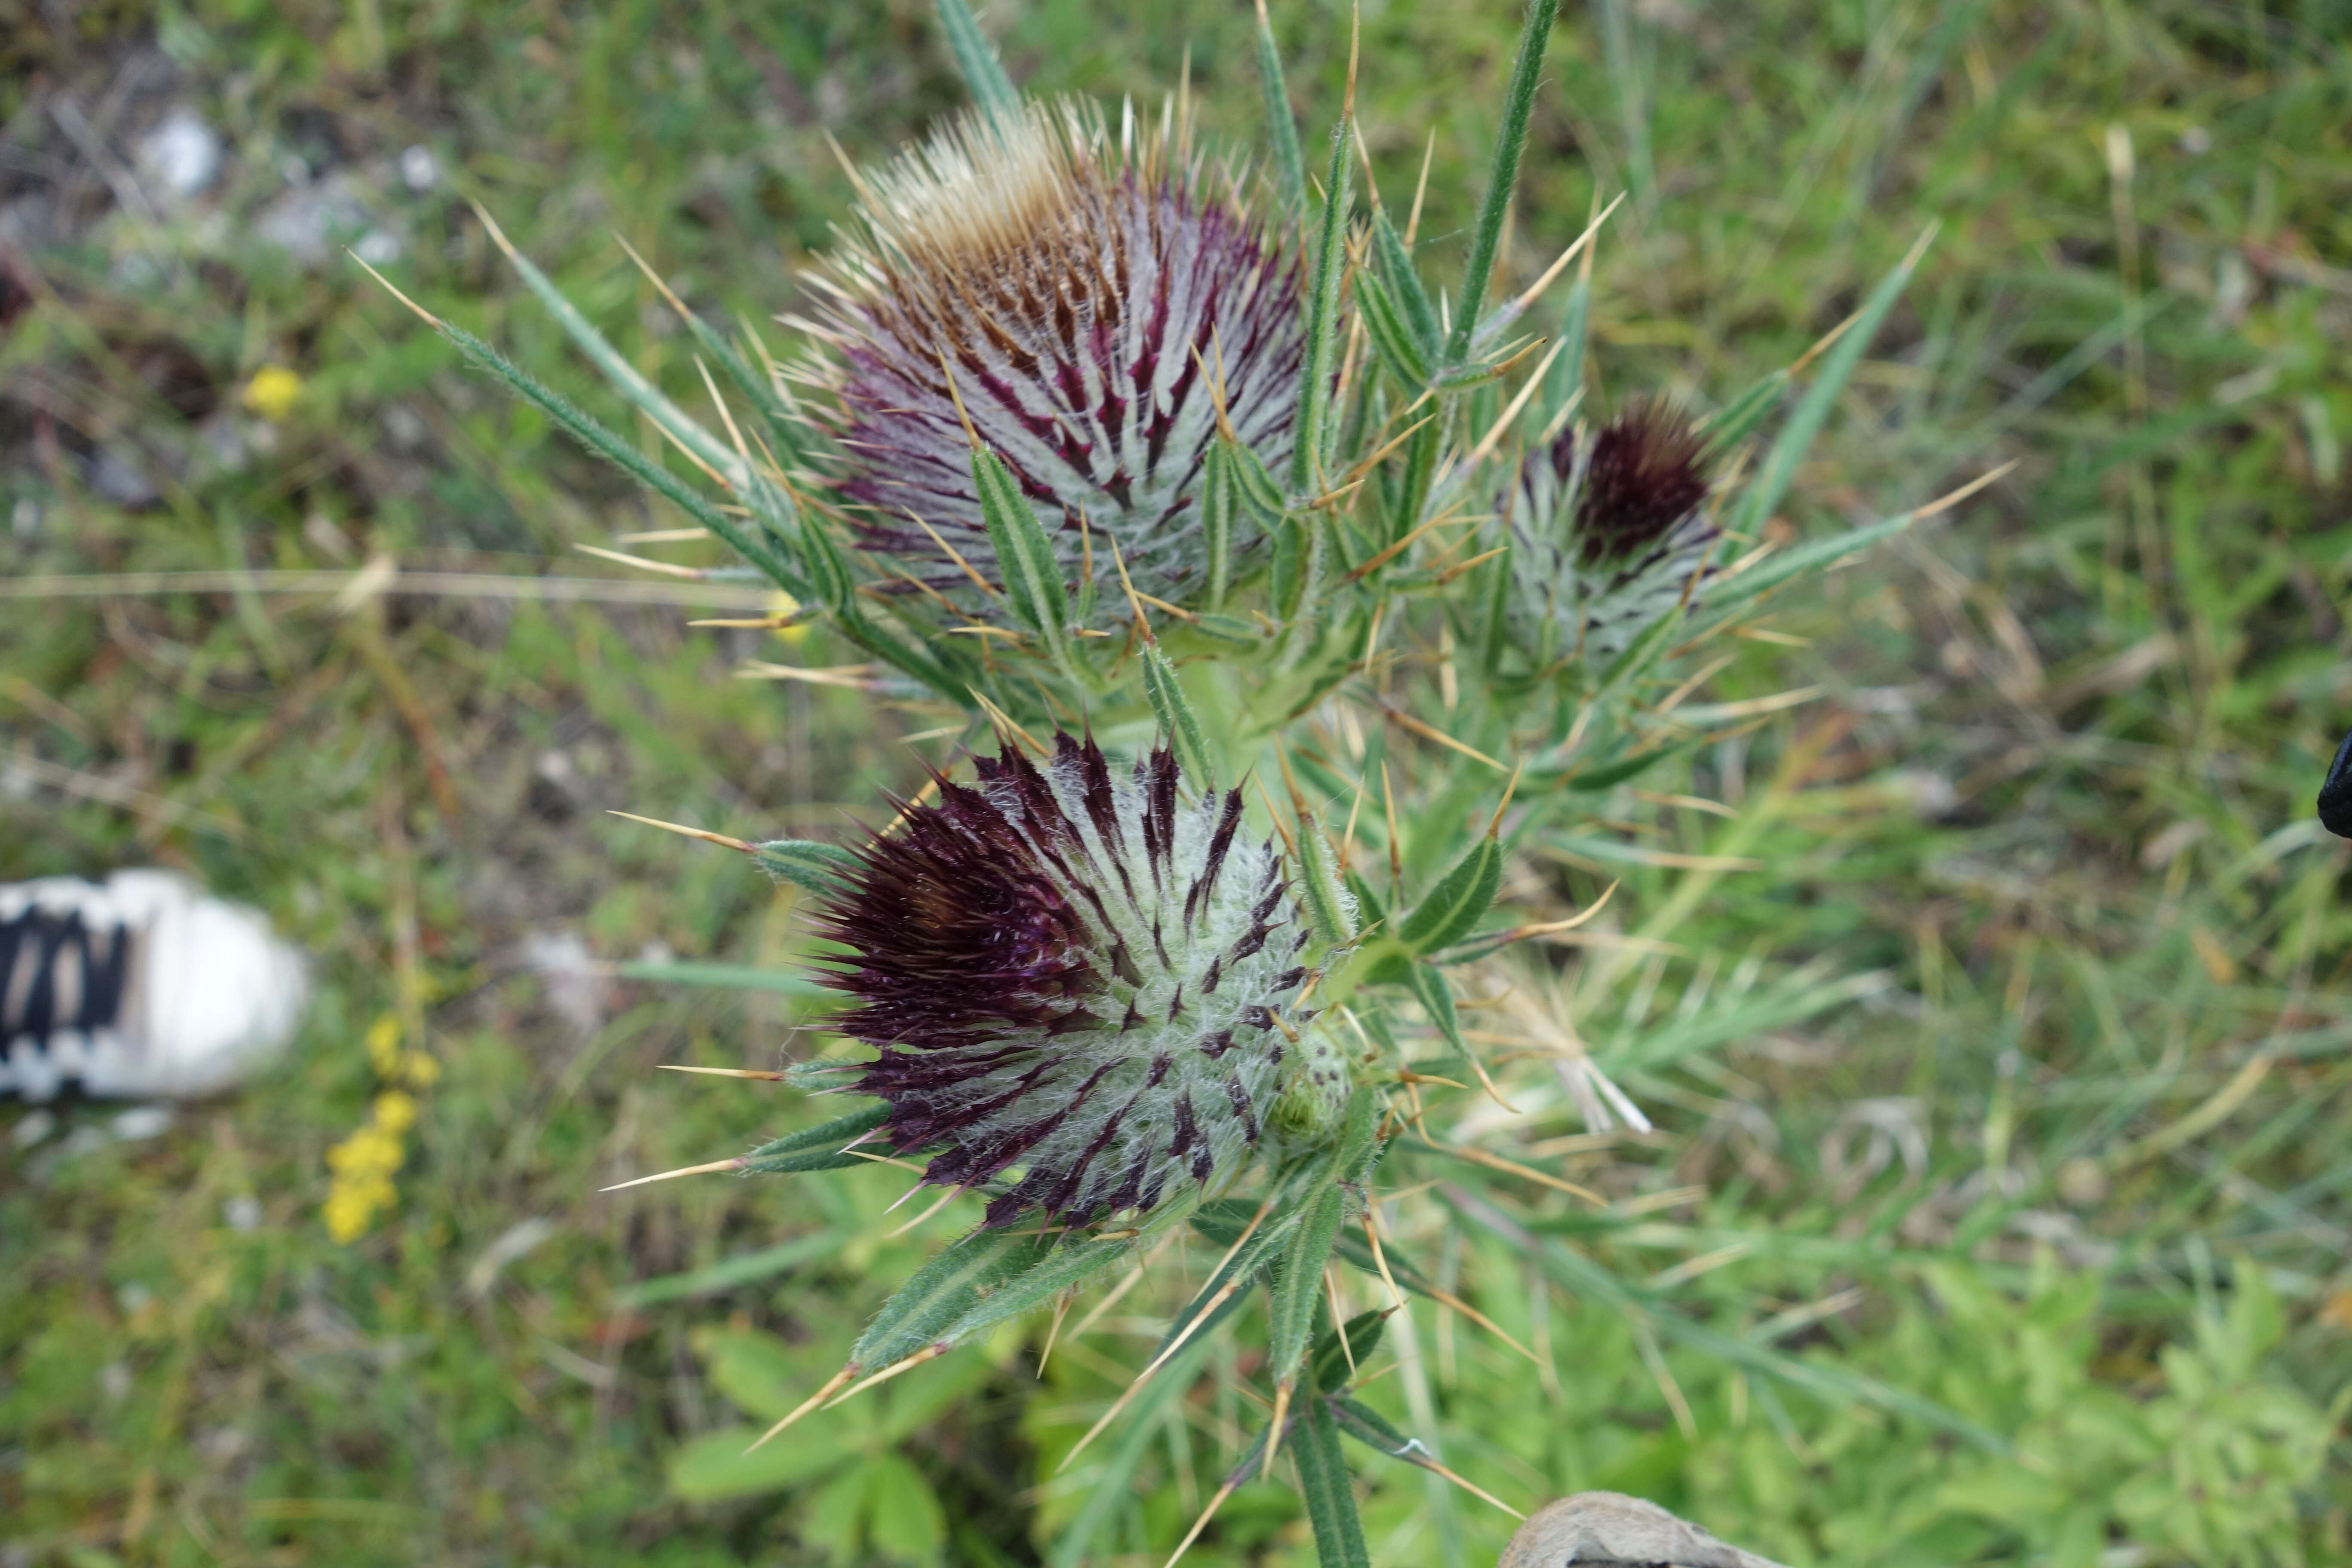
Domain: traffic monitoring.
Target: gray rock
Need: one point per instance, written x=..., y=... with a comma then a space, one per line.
x=1610, y=1529
x=180, y=158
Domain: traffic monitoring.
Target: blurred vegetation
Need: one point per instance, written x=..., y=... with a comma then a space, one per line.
x=2074, y=1170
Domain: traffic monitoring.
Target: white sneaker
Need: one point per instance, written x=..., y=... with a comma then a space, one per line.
x=139, y=987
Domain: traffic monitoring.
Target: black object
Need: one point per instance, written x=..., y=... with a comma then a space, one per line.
x=2336, y=792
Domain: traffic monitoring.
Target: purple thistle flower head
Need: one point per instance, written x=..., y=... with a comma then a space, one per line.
x=1080, y=983
x=1608, y=534
x=1085, y=294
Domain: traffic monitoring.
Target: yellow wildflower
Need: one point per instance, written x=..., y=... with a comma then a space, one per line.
x=273, y=392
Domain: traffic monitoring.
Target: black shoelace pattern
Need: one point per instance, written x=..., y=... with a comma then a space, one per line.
x=58, y=972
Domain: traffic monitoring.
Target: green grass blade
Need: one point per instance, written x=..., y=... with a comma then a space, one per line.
x=1780, y=465
x=1519, y=103
x=743, y=1269
x=991, y=88
x=1281, y=126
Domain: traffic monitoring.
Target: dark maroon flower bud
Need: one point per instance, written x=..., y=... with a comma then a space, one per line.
x=1643, y=482
x=1608, y=534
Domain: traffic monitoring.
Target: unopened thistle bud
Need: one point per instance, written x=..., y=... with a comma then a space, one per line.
x=1086, y=295
x=1607, y=534
x=1083, y=985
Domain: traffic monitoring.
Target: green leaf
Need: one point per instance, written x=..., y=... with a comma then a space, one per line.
x=1322, y=320
x=625, y=377
x=817, y=1148
x=942, y=1292
x=904, y=1519
x=1176, y=717
x=1428, y=985
x=760, y=1375
x=1069, y=1266
x=1281, y=127
x=1329, y=908
x=1398, y=353
x=824, y=868
x=1372, y=1429
x=1519, y=103
x=714, y=1467
x=1756, y=504
x=1329, y=1360
x=1323, y=1482
x=1609, y=774
x=1220, y=504
x=1359, y=1146
x=1024, y=557
x=1463, y=894
x=976, y=60
x=1298, y=1282
x=1587, y=1279
x=1416, y=315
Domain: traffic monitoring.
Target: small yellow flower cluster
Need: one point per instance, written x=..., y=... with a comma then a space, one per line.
x=364, y=1163
x=273, y=392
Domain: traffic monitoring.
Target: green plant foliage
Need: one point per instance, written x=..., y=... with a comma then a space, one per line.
x=1876, y=1088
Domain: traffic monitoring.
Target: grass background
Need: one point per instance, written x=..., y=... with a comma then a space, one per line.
x=2081, y=1161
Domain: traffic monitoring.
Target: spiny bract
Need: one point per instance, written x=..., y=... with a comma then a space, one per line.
x=1081, y=975
x=1093, y=300
x=1607, y=535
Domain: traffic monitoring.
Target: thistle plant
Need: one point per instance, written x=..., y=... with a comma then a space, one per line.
x=1291, y=601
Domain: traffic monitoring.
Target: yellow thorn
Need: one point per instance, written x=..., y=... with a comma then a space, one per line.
x=1508, y=791
x=1274, y=1432
x=984, y=585
x=1407, y=721
x=1494, y=435
x=691, y=574
x=1575, y=245
x=1224, y=1294
x=681, y=1171
x=1061, y=1310
x=1955, y=498
x=725, y=1072
x=704, y=834
x=811, y=1402
x=429, y=319
x=1225, y=1490
x=652, y=277
x=928, y=1353
x=1004, y=722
